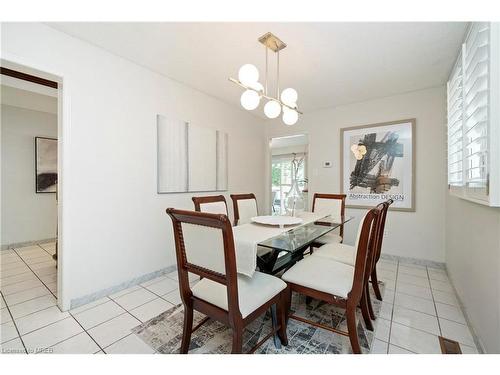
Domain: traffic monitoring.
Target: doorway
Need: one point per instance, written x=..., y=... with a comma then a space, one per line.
x=30, y=169
x=289, y=165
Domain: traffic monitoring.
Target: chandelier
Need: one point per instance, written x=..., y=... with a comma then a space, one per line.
x=248, y=79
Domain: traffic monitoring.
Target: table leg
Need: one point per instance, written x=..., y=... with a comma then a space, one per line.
x=274, y=319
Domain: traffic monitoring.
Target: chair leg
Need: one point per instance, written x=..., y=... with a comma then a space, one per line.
x=282, y=308
x=365, y=313
x=351, y=327
x=187, y=329
x=237, y=340
x=288, y=302
x=369, y=303
x=375, y=284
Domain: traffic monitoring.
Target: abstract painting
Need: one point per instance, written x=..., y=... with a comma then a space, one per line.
x=378, y=163
x=46, y=164
x=190, y=158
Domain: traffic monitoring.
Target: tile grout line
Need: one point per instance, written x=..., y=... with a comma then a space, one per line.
x=15, y=325
x=46, y=325
x=400, y=347
x=34, y=312
x=142, y=304
x=68, y=338
x=114, y=342
x=84, y=330
x=24, y=290
x=105, y=321
x=31, y=299
x=55, y=296
x=125, y=312
x=434, y=303
x=392, y=310
x=41, y=247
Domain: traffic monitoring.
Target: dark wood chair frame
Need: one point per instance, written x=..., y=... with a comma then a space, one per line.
x=378, y=248
x=198, y=201
x=332, y=196
x=232, y=317
x=356, y=297
x=236, y=198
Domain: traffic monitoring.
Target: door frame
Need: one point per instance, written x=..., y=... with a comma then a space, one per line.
x=31, y=66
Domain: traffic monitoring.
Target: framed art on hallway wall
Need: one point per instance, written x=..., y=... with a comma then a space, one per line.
x=45, y=165
x=378, y=163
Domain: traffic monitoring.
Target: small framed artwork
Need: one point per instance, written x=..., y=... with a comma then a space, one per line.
x=45, y=165
x=378, y=163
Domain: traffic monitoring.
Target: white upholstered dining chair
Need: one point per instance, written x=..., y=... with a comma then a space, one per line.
x=204, y=246
x=214, y=204
x=338, y=283
x=334, y=206
x=245, y=207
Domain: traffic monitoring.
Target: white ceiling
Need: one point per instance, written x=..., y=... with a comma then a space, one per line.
x=329, y=64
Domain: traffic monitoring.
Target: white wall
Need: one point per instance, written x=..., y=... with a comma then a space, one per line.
x=417, y=234
x=289, y=150
x=26, y=216
x=473, y=262
x=22, y=98
x=115, y=225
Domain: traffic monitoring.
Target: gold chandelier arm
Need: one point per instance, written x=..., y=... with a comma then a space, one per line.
x=278, y=73
x=265, y=92
x=262, y=94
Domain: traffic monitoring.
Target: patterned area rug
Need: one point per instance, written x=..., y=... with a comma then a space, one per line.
x=164, y=332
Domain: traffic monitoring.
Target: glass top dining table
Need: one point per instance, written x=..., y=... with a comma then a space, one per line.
x=288, y=247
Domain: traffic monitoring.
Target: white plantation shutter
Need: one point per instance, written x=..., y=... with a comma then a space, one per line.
x=473, y=91
x=475, y=103
x=455, y=111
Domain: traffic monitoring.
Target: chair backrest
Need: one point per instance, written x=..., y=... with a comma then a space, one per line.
x=204, y=245
x=378, y=248
x=330, y=204
x=367, y=235
x=245, y=207
x=214, y=204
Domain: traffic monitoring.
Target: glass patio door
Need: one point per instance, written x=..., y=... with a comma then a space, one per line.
x=282, y=177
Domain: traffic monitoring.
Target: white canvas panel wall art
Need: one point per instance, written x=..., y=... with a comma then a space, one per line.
x=172, y=155
x=221, y=161
x=202, y=156
x=46, y=165
x=378, y=163
x=190, y=158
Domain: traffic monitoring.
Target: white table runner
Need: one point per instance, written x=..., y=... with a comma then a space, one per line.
x=248, y=236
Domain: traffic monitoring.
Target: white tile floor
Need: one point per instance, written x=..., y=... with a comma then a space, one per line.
x=419, y=304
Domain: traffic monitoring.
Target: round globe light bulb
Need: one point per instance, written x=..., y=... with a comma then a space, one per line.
x=248, y=74
x=256, y=86
x=290, y=116
x=250, y=100
x=289, y=96
x=272, y=109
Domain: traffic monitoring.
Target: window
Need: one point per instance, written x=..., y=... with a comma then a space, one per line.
x=473, y=125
